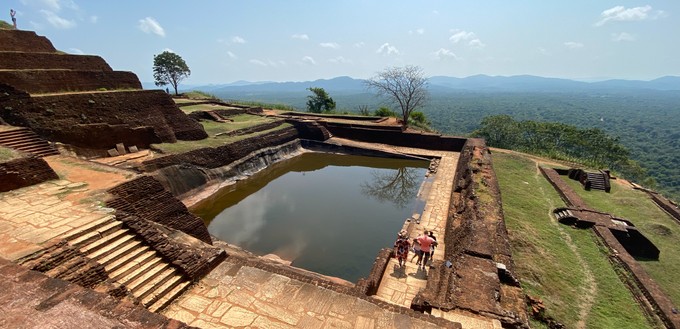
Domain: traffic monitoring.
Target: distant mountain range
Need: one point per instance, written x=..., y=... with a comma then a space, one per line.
x=482, y=83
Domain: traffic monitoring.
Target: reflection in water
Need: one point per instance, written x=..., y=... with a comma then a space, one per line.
x=397, y=186
x=312, y=211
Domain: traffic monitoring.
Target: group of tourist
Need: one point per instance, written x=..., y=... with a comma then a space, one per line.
x=423, y=247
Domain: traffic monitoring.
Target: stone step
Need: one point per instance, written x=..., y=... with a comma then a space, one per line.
x=164, y=301
x=126, y=271
x=126, y=259
x=114, y=249
x=136, y=272
x=64, y=267
x=87, y=228
x=150, y=275
x=16, y=138
x=102, y=241
x=158, y=288
x=96, y=233
x=22, y=141
x=15, y=132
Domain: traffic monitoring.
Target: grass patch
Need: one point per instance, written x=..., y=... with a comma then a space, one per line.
x=282, y=107
x=554, y=262
x=653, y=222
x=214, y=128
x=199, y=95
x=6, y=26
x=7, y=154
x=202, y=107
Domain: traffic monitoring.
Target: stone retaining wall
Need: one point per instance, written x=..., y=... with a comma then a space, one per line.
x=396, y=137
x=665, y=204
x=65, y=118
x=59, y=81
x=51, y=61
x=25, y=41
x=146, y=198
x=24, y=172
x=214, y=157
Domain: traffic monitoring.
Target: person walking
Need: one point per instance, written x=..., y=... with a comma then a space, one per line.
x=425, y=244
x=417, y=252
x=401, y=247
x=12, y=14
x=434, y=245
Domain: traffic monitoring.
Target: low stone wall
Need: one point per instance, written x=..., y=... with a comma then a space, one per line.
x=369, y=285
x=396, y=137
x=51, y=61
x=665, y=204
x=58, y=81
x=146, y=198
x=330, y=116
x=214, y=157
x=24, y=172
x=195, y=260
x=65, y=118
x=26, y=41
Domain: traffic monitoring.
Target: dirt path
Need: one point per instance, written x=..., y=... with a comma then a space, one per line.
x=589, y=287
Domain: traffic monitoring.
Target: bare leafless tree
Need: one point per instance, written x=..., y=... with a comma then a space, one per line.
x=405, y=86
x=396, y=186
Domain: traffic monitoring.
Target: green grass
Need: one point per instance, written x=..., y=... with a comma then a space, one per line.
x=202, y=107
x=653, y=222
x=213, y=128
x=6, y=26
x=199, y=95
x=556, y=263
x=7, y=154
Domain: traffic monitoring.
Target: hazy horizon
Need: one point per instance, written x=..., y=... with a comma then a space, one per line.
x=268, y=40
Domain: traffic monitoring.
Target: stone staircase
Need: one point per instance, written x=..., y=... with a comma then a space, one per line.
x=25, y=140
x=565, y=216
x=597, y=181
x=129, y=262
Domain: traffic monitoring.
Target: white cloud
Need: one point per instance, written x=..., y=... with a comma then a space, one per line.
x=460, y=35
x=359, y=44
x=621, y=13
x=543, y=51
x=76, y=51
x=231, y=55
x=237, y=39
x=331, y=45
x=50, y=4
x=57, y=21
x=308, y=60
x=300, y=36
x=257, y=62
x=445, y=54
x=268, y=63
x=623, y=36
x=387, y=49
x=476, y=43
x=150, y=25
x=340, y=60
x=573, y=45
x=420, y=31
x=94, y=19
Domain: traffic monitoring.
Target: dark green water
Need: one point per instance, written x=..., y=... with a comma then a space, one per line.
x=326, y=213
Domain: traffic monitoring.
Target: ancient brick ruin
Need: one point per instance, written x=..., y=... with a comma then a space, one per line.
x=143, y=246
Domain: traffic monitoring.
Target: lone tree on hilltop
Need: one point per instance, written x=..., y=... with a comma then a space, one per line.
x=320, y=101
x=405, y=86
x=169, y=68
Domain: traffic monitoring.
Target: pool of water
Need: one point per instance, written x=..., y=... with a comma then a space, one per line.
x=327, y=213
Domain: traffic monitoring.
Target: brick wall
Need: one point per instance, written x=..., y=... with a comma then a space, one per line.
x=28, y=41
x=146, y=198
x=55, y=81
x=24, y=172
x=58, y=61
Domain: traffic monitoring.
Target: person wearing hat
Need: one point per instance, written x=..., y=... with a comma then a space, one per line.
x=401, y=247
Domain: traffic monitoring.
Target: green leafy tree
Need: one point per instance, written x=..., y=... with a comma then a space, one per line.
x=320, y=101
x=385, y=112
x=169, y=69
x=405, y=86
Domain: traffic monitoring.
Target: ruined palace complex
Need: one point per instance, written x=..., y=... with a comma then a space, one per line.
x=95, y=231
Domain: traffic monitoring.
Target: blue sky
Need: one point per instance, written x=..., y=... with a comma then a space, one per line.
x=276, y=40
